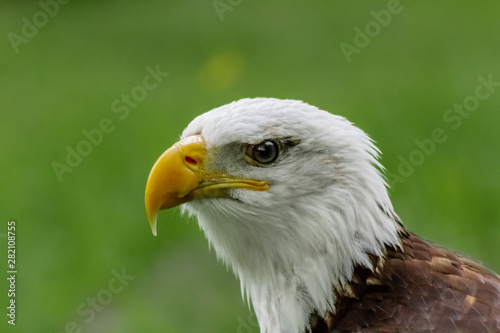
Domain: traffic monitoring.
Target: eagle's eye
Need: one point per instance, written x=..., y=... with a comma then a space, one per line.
x=264, y=152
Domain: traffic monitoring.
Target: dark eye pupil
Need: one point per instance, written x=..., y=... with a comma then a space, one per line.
x=265, y=152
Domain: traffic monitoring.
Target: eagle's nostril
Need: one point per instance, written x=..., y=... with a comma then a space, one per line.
x=190, y=160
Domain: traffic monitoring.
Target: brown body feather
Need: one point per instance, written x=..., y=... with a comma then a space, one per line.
x=416, y=288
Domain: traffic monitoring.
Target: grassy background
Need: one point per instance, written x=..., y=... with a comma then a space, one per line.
x=72, y=234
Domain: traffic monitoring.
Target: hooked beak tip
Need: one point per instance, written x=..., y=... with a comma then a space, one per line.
x=152, y=222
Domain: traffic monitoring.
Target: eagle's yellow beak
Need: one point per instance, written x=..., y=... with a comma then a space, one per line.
x=179, y=176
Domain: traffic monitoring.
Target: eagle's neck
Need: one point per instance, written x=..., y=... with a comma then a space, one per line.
x=289, y=263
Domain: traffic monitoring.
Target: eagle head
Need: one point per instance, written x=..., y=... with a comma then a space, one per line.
x=289, y=196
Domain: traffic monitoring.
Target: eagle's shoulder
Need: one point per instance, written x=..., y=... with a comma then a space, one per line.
x=416, y=287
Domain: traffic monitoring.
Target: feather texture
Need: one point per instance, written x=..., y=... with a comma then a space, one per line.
x=417, y=288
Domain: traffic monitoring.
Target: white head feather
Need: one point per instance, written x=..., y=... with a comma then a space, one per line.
x=326, y=211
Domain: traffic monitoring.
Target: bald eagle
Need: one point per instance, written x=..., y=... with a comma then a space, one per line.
x=293, y=199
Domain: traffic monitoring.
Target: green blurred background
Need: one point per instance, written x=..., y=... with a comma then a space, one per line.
x=73, y=234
